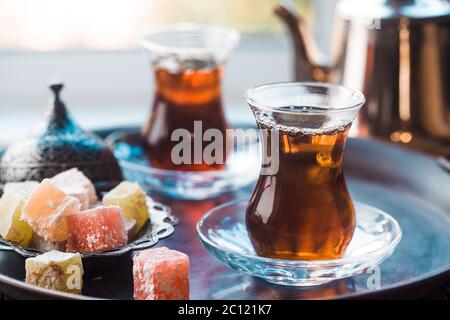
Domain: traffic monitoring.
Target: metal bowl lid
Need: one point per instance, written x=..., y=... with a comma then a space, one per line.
x=57, y=144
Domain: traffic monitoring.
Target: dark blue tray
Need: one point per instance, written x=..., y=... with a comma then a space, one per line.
x=413, y=188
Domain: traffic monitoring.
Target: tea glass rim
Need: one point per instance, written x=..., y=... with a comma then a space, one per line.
x=228, y=43
x=261, y=105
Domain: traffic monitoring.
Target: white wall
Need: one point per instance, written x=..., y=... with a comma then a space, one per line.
x=107, y=88
x=111, y=88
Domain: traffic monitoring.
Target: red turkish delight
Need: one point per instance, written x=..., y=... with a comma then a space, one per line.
x=161, y=274
x=96, y=229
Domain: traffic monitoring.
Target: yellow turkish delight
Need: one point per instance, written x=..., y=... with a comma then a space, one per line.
x=56, y=270
x=12, y=227
x=132, y=200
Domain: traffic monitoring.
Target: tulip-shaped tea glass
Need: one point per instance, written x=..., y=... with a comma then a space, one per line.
x=301, y=208
x=300, y=226
x=183, y=149
x=188, y=62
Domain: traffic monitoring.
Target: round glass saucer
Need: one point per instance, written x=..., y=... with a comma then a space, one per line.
x=241, y=169
x=223, y=233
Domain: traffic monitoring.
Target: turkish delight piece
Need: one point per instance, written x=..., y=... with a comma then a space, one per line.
x=56, y=270
x=161, y=274
x=78, y=192
x=39, y=243
x=74, y=180
x=132, y=200
x=21, y=189
x=12, y=227
x=96, y=229
x=46, y=211
x=82, y=196
x=130, y=225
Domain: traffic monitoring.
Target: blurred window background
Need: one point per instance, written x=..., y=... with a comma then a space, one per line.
x=93, y=46
x=48, y=25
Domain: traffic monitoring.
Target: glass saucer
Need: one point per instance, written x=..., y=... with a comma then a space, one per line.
x=241, y=169
x=223, y=233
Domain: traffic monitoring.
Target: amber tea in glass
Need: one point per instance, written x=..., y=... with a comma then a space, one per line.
x=188, y=62
x=301, y=208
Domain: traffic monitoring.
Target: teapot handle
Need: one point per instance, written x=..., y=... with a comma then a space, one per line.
x=309, y=63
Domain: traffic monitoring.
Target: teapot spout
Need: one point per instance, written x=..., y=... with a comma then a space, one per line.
x=309, y=62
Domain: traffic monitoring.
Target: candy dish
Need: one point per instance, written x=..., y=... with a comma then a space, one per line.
x=97, y=263
x=161, y=226
x=242, y=168
x=223, y=233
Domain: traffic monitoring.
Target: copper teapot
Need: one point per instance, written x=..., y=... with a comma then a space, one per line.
x=397, y=52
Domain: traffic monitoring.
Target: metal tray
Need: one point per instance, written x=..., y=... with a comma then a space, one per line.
x=412, y=187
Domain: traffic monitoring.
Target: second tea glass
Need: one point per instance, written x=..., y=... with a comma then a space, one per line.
x=188, y=62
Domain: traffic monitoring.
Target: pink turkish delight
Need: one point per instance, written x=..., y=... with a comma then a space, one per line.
x=130, y=225
x=96, y=229
x=161, y=274
x=81, y=194
x=75, y=183
x=39, y=243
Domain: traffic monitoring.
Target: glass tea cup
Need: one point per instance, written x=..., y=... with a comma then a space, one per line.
x=188, y=62
x=301, y=208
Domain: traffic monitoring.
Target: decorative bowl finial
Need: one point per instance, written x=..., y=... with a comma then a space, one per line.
x=56, y=86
